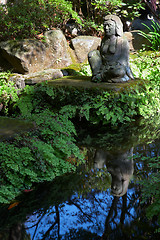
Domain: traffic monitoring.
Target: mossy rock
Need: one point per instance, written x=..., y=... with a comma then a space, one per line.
x=84, y=82
x=9, y=127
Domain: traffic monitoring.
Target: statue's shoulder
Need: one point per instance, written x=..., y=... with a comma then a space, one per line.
x=124, y=40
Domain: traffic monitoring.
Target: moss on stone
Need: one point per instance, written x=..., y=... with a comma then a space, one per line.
x=10, y=126
x=85, y=82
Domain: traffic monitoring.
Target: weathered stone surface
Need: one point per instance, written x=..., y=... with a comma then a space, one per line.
x=42, y=76
x=111, y=62
x=29, y=56
x=58, y=49
x=83, y=45
x=25, y=55
x=18, y=79
x=129, y=37
x=85, y=83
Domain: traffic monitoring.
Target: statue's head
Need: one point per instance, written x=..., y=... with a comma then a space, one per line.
x=117, y=24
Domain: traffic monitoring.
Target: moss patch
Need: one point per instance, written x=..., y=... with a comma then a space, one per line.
x=85, y=82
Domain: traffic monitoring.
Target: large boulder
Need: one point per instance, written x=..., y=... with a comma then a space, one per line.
x=25, y=55
x=29, y=56
x=82, y=45
x=58, y=49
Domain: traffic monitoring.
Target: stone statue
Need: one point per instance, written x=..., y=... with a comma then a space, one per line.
x=111, y=63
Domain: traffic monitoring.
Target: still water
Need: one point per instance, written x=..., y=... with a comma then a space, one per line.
x=104, y=199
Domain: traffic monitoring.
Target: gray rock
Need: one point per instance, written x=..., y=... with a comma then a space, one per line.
x=18, y=79
x=25, y=55
x=21, y=80
x=59, y=49
x=83, y=45
x=29, y=56
x=42, y=76
x=129, y=37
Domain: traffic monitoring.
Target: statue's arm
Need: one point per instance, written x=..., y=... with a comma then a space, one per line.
x=124, y=56
x=124, y=59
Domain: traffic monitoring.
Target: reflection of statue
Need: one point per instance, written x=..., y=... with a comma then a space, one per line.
x=120, y=165
x=111, y=63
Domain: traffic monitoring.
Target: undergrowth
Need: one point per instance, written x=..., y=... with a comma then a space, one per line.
x=41, y=154
x=8, y=93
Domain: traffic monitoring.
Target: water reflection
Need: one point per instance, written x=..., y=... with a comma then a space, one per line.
x=80, y=206
x=120, y=166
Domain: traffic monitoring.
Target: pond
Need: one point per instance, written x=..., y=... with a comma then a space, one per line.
x=104, y=199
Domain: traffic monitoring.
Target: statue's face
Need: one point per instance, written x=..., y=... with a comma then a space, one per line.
x=119, y=186
x=110, y=28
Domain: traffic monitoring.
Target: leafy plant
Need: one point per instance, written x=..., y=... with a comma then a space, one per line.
x=153, y=36
x=30, y=18
x=38, y=156
x=8, y=92
x=151, y=186
x=96, y=105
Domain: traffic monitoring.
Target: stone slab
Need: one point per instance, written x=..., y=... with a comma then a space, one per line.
x=9, y=127
x=85, y=82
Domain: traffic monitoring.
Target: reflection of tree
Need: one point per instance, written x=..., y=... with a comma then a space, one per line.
x=129, y=224
x=16, y=232
x=57, y=221
x=100, y=211
x=115, y=218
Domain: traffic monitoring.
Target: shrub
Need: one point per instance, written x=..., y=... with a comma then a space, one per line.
x=8, y=92
x=29, y=18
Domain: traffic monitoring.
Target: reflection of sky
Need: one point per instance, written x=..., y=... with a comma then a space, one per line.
x=85, y=213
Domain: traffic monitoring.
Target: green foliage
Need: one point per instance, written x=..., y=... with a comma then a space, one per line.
x=29, y=18
x=38, y=156
x=125, y=106
x=153, y=36
x=119, y=7
x=8, y=92
x=151, y=187
x=138, y=100
x=99, y=8
x=145, y=65
x=130, y=9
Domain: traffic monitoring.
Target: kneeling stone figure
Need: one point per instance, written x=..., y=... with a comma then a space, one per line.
x=111, y=63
